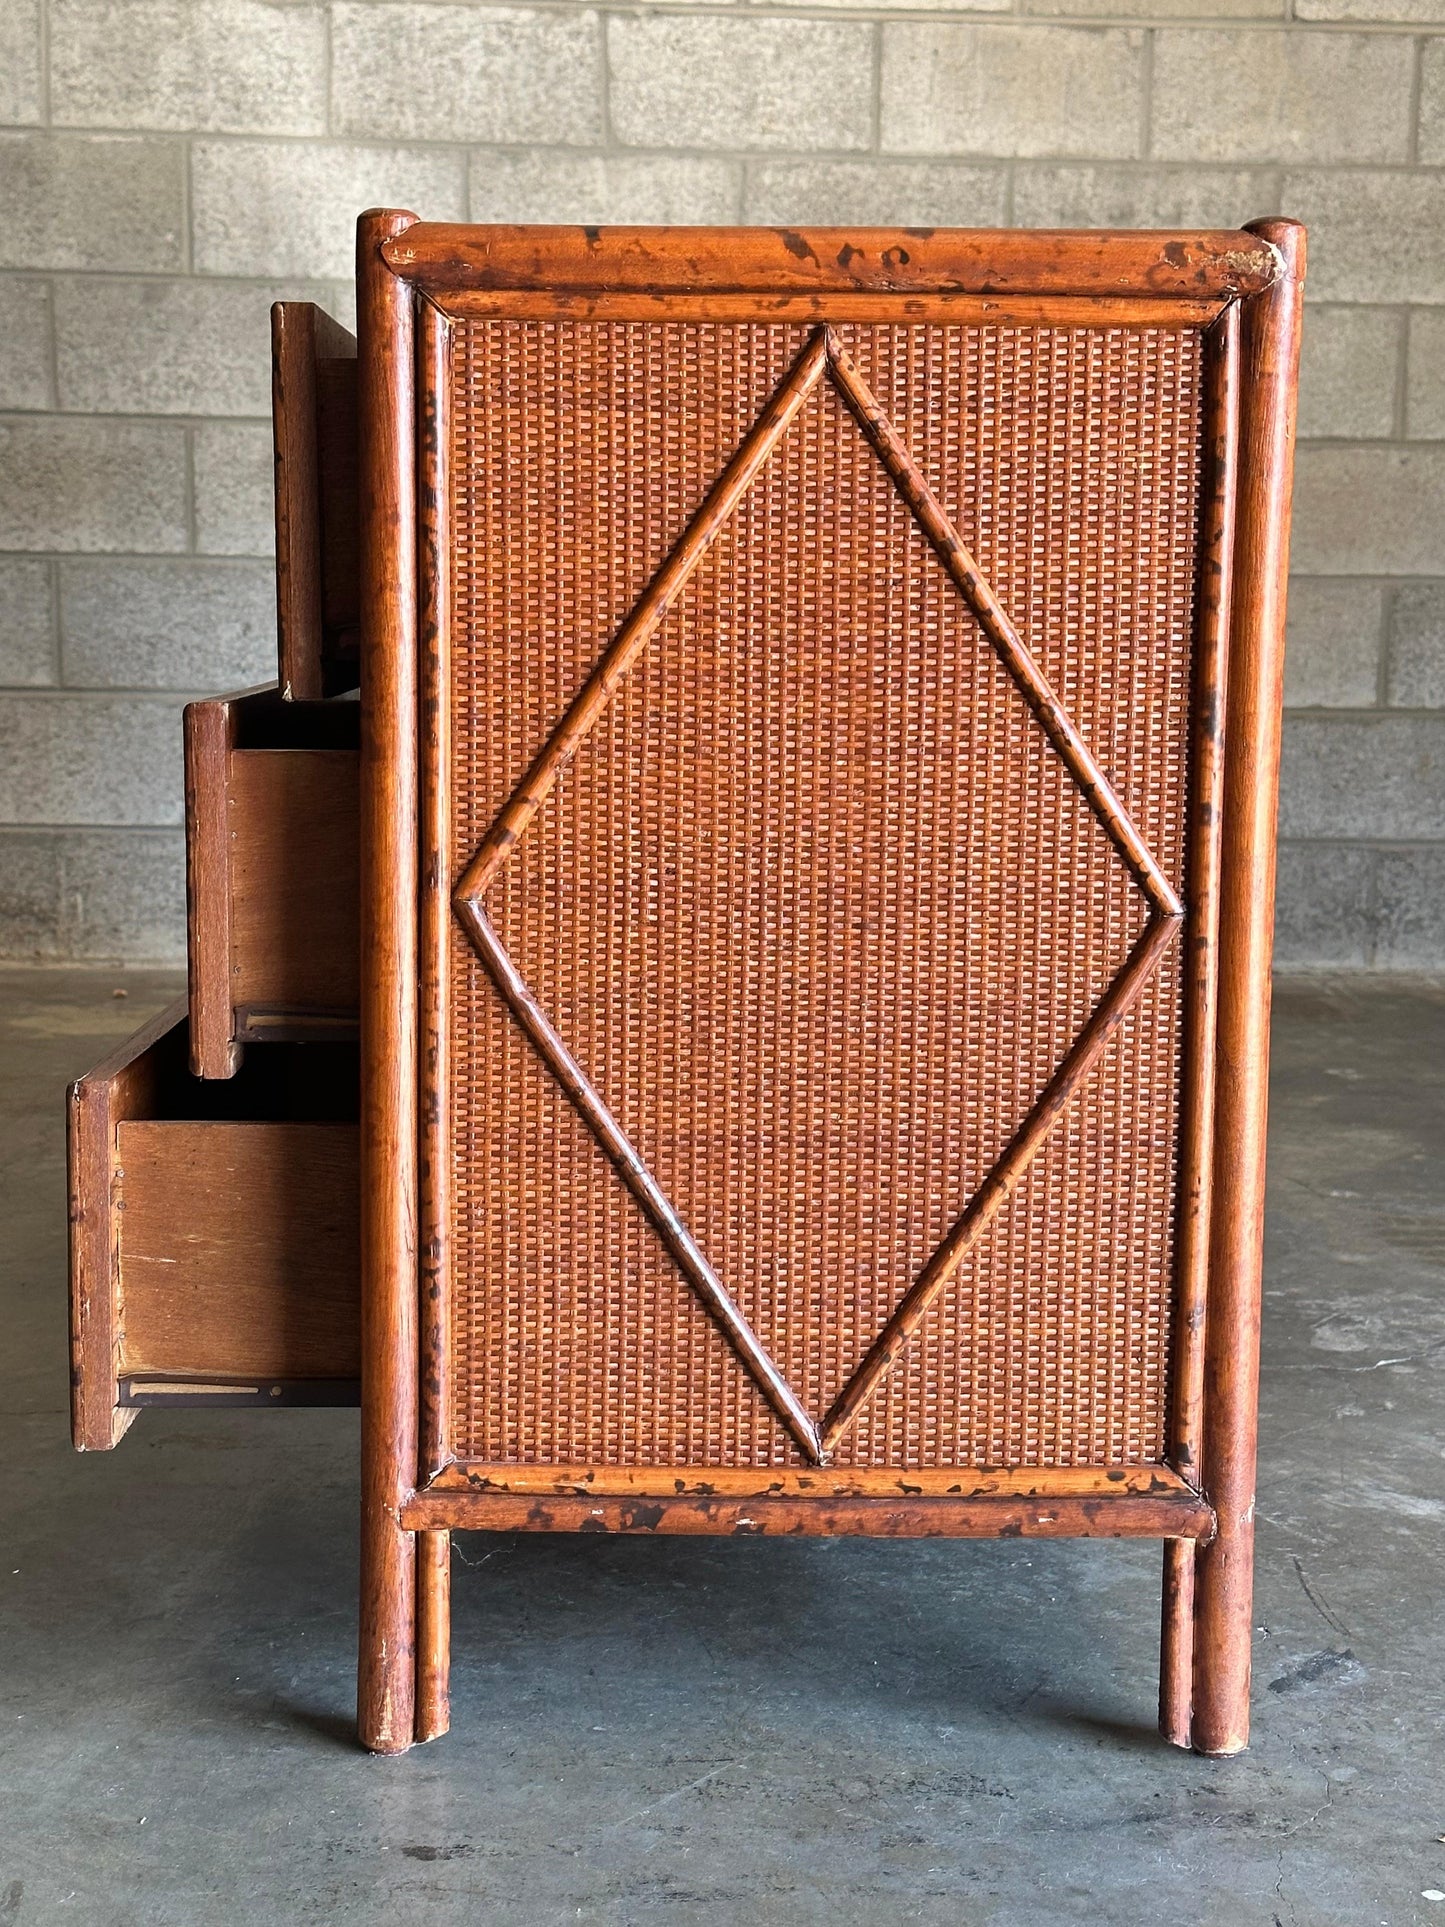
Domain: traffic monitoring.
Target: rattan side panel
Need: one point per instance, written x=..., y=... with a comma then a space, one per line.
x=816, y=907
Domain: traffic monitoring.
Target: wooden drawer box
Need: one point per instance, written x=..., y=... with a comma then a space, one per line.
x=213, y=1231
x=271, y=873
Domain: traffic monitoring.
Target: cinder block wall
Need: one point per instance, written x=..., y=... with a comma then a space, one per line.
x=168, y=167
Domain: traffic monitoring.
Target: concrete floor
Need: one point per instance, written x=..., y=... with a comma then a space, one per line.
x=739, y=1732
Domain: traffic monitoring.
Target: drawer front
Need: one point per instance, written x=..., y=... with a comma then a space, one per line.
x=213, y=1245
x=294, y=839
x=238, y=1250
x=272, y=846
x=815, y=1008
x=313, y=405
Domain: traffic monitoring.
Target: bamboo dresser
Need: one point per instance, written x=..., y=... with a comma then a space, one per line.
x=757, y=1019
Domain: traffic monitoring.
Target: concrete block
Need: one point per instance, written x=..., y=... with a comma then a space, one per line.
x=1406, y=12
x=159, y=347
x=1332, y=658
x=1324, y=905
x=1432, y=101
x=261, y=208
x=1410, y=908
x=1369, y=510
x=875, y=194
x=464, y=73
x=30, y=893
x=25, y=325
x=1019, y=91
x=1161, y=9
x=22, y=89
x=1350, y=371
x=240, y=66
x=1425, y=376
x=123, y=896
x=89, y=759
x=1078, y=195
x=710, y=81
x=1416, y=646
x=187, y=624
x=235, y=489
x=1288, y=96
x=93, y=201
x=92, y=896
x=1361, y=778
x=1374, y=236
x=27, y=623
x=98, y=486
x=600, y=188
x=911, y=6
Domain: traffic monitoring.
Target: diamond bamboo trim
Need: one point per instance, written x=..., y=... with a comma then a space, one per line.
x=824, y=353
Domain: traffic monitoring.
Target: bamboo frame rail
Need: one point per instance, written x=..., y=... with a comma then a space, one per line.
x=1222, y=263
x=386, y=1681
x=1224, y=1580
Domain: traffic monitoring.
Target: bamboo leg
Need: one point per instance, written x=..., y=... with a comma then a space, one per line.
x=385, y=1689
x=1224, y=1592
x=433, y=1634
x=386, y=1674
x=1176, y=1647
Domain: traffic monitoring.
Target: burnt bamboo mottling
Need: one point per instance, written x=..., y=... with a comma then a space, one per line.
x=434, y=907
x=386, y=1689
x=1216, y=567
x=835, y=261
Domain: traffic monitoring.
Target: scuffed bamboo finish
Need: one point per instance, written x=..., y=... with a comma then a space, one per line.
x=386, y=1688
x=769, y=261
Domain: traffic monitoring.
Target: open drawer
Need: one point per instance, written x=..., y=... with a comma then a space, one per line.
x=313, y=397
x=272, y=848
x=213, y=1231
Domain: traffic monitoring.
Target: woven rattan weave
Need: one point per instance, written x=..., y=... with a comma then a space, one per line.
x=817, y=907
